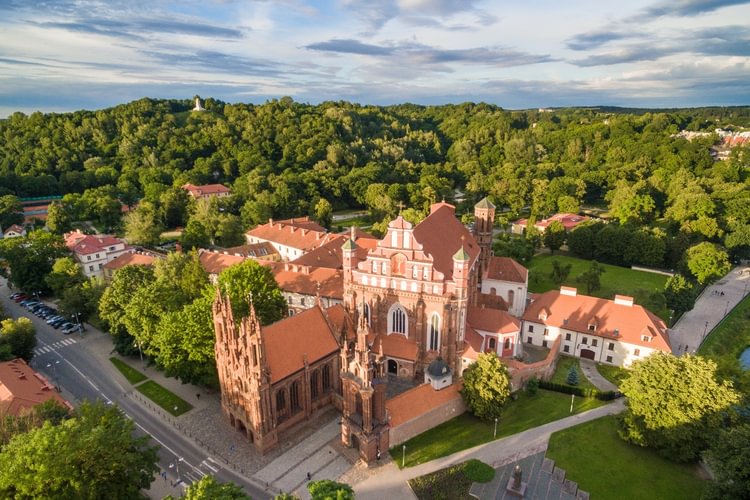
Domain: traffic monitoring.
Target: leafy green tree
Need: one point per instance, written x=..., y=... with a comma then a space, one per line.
x=729, y=459
x=675, y=404
x=554, y=236
x=209, y=489
x=572, y=375
x=326, y=489
x=59, y=218
x=738, y=241
x=65, y=274
x=486, y=386
x=174, y=204
x=17, y=339
x=679, y=294
x=30, y=259
x=629, y=204
x=251, y=281
x=112, y=306
x=592, y=277
x=324, y=213
x=195, y=235
x=560, y=272
x=229, y=231
x=707, y=262
x=82, y=300
x=93, y=455
x=142, y=225
x=11, y=211
x=49, y=411
x=516, y=248
x=581, y=240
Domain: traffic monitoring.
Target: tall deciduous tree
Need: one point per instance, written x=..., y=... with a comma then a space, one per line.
x=142, y=225
x=59, y=217
x=17, y=339
x=707, y=262
x=249, y=280
x=325, y=489
x=675, y=404
x=679, y=294
x=324, y=213
x=30, y=259
x=11, y=211
x=91, y=456
x=592, y=277
x=486, y=386
x=209, y=489
x=66, y=273
x=729, y=458
x=554, y=236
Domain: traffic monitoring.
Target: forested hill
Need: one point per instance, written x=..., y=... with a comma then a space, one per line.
x=279, y=158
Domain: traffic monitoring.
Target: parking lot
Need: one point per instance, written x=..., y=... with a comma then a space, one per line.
x=67, y=324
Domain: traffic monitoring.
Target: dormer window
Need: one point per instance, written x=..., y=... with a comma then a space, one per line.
x=617, y=332
x=592, y=327
x=543, y=316
x=646, y=338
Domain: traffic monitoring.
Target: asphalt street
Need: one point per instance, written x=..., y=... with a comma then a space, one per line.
x=65, y=360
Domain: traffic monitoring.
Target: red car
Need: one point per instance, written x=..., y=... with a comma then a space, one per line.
x=20, y=297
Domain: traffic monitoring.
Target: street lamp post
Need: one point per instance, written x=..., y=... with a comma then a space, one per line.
x=705, y=330
x=78, y=320
x=494, y=433
x=53, y=365
x=403, y=456
x=140, y=353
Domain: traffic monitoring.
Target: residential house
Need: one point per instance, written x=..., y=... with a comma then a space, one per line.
x=207, y=191
x=22, y=388
x=14, y=231
x=569, y=221
x=94, y=251
x=292, y=238
x=135, y=258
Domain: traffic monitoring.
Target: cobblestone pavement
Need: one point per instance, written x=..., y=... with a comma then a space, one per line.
x=716, y=301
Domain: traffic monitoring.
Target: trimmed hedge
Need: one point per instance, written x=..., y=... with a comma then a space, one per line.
x=578, y=391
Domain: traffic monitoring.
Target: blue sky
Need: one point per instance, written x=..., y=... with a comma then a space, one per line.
x=66, y=55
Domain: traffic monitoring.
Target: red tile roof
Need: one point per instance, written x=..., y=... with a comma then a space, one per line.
x=330, y=254
x=577, y=312
x=262, y=250
x=215, y=262
x=130, y=259
x=21, y=388
x=568, y=220
x=205, y=190
x=306, y=280
x=15, y=228
x=302, y=234
x=396, y=346
x=306, y=336
x=506, y=269
x=441, y=235
x=492, y=320
x=341, y=321
x=416, y=402
x=86, y=244
x=472, y=344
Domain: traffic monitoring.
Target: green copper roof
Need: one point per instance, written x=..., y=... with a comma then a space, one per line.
x=484, y=203
x=349, y=245
x=461, y=254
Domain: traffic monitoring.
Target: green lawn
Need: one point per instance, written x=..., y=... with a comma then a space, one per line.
x=614, y=374
x=467, y=431
x=561, y=373
x=646, y=288
x=164, y=398
x=594, y=456
x=726, y=342
x=133, y=375
x=452, y=483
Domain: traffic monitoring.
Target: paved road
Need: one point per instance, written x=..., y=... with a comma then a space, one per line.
x=712, y=305
x=75, y=363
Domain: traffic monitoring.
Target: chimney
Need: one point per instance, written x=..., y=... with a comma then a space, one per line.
x=624, y=300
x=569, y=291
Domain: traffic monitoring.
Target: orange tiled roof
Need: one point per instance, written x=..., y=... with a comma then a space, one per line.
x=306, y=280
x=302, y=234
x=492, y=301
x=472, y=344
x=21, y=388
x=206, y=189
x=441, y=235
x=416, y=402
x=568, y=220
x=130, y=259
x=306, y=336
x=506, y=269
x=15, y=228
x=215, y=262
x=396, y=346
x=577, y=312
x=341, y=320
x=254, y=250
x=492, y=320
x=85, y=244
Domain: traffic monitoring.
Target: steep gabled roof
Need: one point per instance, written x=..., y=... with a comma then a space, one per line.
x=21, y=388
x=302, y=234
x=206, y=189
x=611, y=319
x=304, y=337
x=130, y=259
x=215, y=262
x=492, y=320
x=506, y=269
x=307, y=280
x=86, y=244
x=396, y=346
x=442, y=235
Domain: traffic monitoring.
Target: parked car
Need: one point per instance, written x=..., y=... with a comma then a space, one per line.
x=72, y=329
x=56, y=322
x=20, y=297
x=64, y=325
x=15, y=294
x=44, y=312
x=49, y=312
x=54, y=318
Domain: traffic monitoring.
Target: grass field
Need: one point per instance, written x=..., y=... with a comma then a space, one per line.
x=467, y=431
x=646, y=288
x=133, y=375
x=561, y=373
x=164, y=398
x=594, y=456
x=614, y=374
x=727, y=341
x=452, y=483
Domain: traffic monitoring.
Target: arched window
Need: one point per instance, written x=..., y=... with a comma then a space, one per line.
x=434, y=332
x=294, y=397
x=511, y=296
x=314, y=385
x=366, y=312
x=326, y=377
x=397, y=320
x=493, y=343
x=507, y=343
x=280, y=400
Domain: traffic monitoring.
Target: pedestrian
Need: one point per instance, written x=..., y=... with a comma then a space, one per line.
x=722, y=294
x=308, y=476
x=198, y=395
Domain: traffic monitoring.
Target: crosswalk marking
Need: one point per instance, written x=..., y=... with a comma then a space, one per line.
x=54, y=346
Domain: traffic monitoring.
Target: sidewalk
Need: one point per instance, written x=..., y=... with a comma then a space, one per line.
x=593, y=375
x=390, y=482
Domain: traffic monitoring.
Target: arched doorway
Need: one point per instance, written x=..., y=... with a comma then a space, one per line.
x=587, y=354
x=392, y=367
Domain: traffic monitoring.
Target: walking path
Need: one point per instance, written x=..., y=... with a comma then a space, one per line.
x=591, y=373
x=711, y=307
x=388, y=481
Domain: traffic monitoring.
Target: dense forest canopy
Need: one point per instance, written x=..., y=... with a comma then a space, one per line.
x=281, y=158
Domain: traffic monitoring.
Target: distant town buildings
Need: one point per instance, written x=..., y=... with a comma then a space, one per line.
x=569, y=221
x=727, y=140
x=207, y=191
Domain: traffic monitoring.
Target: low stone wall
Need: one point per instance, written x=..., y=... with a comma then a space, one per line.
x=521, y=372
x=652, y=270
x=436, y=416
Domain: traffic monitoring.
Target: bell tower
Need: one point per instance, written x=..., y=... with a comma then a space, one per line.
x=484, y=218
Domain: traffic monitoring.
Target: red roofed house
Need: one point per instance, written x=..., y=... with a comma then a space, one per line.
x=570, y=221
x=206, y=191
x=275, y=377
x=214, y=262
x=14, y=231
x=21, y=389
x=616, y=332
x=506, y=278
x=304, y=286
x=292, y=238
x=94, y=251
x=130, y=259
